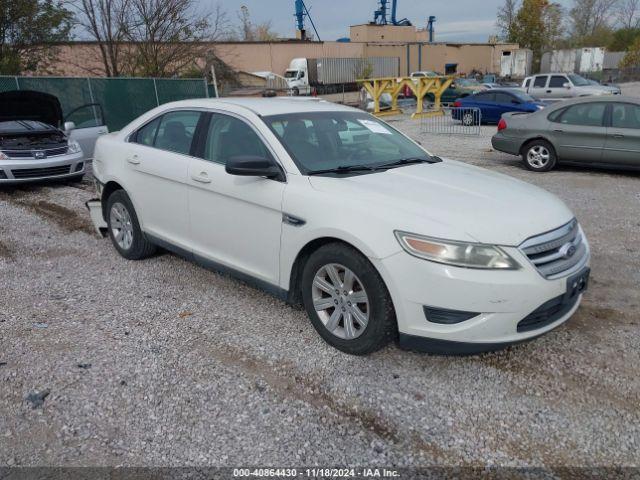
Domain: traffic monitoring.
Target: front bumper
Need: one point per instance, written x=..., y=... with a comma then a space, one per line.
x=502, y=300
x=30, y=170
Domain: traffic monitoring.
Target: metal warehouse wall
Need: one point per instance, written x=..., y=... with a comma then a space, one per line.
x=122, y=99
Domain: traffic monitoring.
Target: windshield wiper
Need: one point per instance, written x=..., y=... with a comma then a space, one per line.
x=344, y=169
x=408, y=161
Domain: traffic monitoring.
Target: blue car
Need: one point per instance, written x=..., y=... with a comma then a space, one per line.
x=491, y=104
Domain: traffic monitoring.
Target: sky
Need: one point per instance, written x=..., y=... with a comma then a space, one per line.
x=457, y=20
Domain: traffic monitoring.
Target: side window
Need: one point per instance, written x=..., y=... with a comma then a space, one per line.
x=176, y=131
x=587, y=114
x=527, y=82
x=557, y=81
x=555, y=116
x=485, y=97
x=540, y=82
x=625, y=115
x=504, y=98
x=147, y=134
x=86, y=116
x=229, y=137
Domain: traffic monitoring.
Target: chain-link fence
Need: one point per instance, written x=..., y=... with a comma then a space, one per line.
x=453, y=121
x=122, y=99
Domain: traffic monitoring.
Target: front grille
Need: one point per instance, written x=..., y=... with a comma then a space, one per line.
x=557, y=252
x=49, y=152
x=41, y=172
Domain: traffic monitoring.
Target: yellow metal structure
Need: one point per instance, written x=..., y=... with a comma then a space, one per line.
x=420, y=86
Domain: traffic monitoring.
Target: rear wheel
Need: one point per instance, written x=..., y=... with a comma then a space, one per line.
x=347, y=300
x=539, y=156
x=124, y=228
x=469, y=119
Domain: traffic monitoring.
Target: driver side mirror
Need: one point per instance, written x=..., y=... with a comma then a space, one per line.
x=516, y=102
x=68, y=126
x=567, y=85
x=253, y=166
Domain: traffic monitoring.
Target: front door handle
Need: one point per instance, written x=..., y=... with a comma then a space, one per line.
x=618, y=135
x=202, y=177
x=549, y=91
x=559, y=131
x=133, y=159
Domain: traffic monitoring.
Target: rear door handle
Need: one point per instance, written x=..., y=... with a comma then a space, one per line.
x=559, y=131
x=133, y=159
x=202, y=177
x=618, y=135
x=549, y=91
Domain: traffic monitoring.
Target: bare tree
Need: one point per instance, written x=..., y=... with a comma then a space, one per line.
x=248, y=32
x=628, y=13
x=589, y=16
x=506, y=19
x=105, y=21
x=168, y=38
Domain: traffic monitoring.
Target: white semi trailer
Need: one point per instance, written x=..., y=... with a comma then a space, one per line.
x=332, y=75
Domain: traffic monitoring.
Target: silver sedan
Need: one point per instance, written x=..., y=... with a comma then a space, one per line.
x=593, y=131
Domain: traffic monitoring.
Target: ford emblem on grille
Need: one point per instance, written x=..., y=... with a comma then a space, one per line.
x=568, y=250
x=39, y=155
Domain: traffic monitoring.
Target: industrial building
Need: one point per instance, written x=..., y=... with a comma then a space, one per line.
x=386, y=36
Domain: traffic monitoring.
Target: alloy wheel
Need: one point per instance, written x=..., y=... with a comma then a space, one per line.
x=538, y=156
x=121, y=226
x=340, y=301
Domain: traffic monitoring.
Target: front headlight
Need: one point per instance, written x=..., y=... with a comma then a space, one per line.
x=74, y=147
x=459, y=254
x=3, y=156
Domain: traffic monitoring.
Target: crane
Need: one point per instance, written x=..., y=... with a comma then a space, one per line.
x=430, y=28
x=301, y=12
x=380, y=15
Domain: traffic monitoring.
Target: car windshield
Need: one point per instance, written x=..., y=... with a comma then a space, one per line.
x=342, y=141
x=290, y=74
x=467, y=82
x=578, y=81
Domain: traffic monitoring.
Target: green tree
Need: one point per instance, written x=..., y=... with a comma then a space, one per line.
x=506, y=19
x=632, y=58
x=538, y=26
x=622, y=39
x=28, y=30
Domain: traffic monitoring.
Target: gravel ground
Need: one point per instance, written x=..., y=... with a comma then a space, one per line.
x=163, y=363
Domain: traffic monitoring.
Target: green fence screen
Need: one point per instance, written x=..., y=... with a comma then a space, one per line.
x=121, y=99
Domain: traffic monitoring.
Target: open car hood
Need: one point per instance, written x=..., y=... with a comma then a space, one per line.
x=30, y=105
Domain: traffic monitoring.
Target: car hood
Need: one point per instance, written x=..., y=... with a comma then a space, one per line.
x=453, y=200
x=30, y=105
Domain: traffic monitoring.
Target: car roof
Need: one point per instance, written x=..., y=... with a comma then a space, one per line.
x=598, y=99
x=268, y=106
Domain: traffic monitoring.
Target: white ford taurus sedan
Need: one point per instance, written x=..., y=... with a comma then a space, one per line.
x=330, y=207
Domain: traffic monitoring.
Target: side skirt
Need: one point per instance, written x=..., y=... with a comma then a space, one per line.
x=252, y=281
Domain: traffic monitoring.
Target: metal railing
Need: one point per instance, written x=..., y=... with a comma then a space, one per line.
x=453, y=121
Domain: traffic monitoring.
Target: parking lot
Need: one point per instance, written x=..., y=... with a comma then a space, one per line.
x=163, y=363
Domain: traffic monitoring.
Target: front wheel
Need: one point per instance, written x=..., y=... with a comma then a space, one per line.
x=539, y=156
x=124, y=228
x=347, y=300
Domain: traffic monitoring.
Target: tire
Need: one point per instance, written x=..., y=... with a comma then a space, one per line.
x=121, y=216
x=295, y=91
x=468, y=119
x=539, y=156
x=348, y=334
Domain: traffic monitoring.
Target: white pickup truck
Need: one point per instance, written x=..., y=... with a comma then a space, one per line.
x=557, y=86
